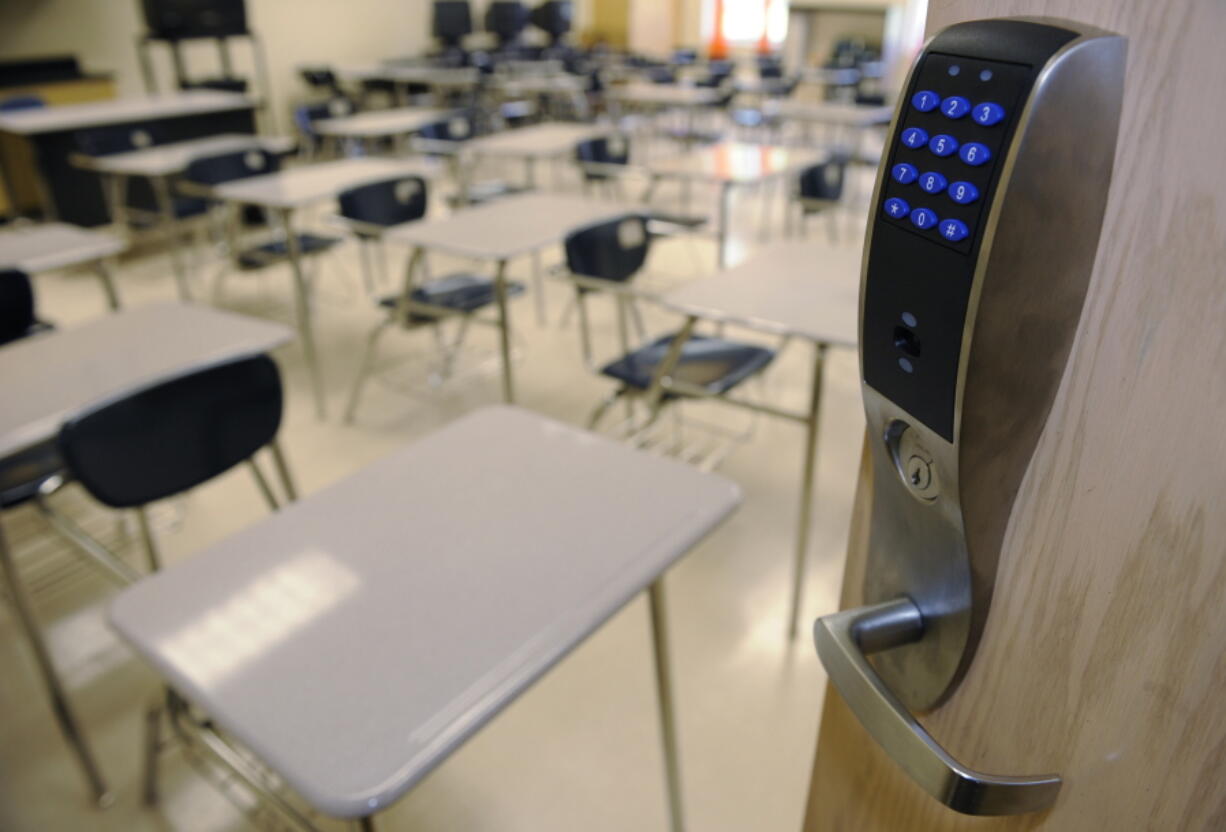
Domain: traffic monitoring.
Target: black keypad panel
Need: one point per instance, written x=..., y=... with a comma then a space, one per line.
x=953, y=133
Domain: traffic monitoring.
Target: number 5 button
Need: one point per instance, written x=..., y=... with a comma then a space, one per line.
x=974, y=153
x=944, y=145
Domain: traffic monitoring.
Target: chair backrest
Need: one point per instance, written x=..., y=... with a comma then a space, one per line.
x=457, y=128
x=386, y=203
x=174, y=435
x=606, y=150
x=21, y=102
x=227, y=167
x=613, y=250
x=16, y=305
x=823, y=180
x=305, y=115
x=662, y=75
x=118, y=138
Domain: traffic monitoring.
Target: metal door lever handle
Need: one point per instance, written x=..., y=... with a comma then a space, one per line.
x=844, y=641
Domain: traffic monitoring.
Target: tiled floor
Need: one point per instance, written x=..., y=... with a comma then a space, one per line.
x=581, y=749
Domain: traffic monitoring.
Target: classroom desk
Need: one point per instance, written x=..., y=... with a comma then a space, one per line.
x=795, y=290
x=75, y=195
x=500, y=231
x=286, y=191
x=160, y=164
x=440, y=80
x=665, y=95
x=56, y=245
x=729, y=165
x=50, y=377
x=355, y=639
x=381, y=124
x=550, y=140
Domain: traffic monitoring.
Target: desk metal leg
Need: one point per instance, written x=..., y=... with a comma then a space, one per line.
x=170, y=226
x=59, y=700
x=108, y=284
x=668, y=724
x=302, y=310
x=538, y=288
x=725, y=196
x=806, y=490
x=366, y=824
x=504, y=332
x=278, y=459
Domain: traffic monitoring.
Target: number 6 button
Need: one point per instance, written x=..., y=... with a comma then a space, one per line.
x=973, y=153
x=944, y=145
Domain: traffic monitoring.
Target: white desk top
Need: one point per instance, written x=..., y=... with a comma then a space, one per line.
x=846, y=115
x=800, y=289
x=295, y=187
x=120, y=110
x=454, y=76
x=665, y=95
x=378, y=123
x=356, y=638
x=536, y=141
x=169, y=159
x=509, y=227
x=50, y=377
x=735, y=162
x=54, y=245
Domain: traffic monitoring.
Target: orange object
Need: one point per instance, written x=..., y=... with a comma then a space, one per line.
x=764, y=42
x=717, y=50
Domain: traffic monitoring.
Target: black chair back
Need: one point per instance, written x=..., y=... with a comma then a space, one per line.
x=118, y=138
x=16, y=305
x=386, y=203
x=613, y=250
x=459, y=127
x=174, y=435
x=227, y=167
x=606, y=150
x=824, y=180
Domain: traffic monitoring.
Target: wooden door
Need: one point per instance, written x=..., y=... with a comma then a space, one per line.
x=1104, y=657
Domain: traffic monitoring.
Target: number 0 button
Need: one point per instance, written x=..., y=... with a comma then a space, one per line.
x=925, y=101
x=897, y=208
x=988, y=113
x=915, y=137
x=963, y=193
x=944, y=145
x=954, y=230
x=955, y=106
x=974, y=153
x=923, y=218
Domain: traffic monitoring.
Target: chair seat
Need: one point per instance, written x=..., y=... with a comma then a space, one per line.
x=714, y=364
x=461, y=292
x=277, y=251
x=22, y=474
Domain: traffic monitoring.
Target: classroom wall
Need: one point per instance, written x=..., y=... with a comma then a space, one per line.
x=102, y=33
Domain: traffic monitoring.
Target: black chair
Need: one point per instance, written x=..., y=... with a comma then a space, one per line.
x=460, y=127
x=601, y=158
x=372, y=208
x=608, y=256
x=369, y=210
x=21, y=102
x=305, y=116
x=819, y=188
x=207, y=172
x=18, y=318
x=446, y=138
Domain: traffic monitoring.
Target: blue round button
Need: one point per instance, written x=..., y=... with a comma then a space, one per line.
x=974, y=153
x=903, y=173
x=915, y=137
x=925, y=101
x=932, y=182
x=955, y=106
x=924, y=218
x=897, y=208
x=954, y=230
x=963, y=193
x=943, y=145
x=988, y=113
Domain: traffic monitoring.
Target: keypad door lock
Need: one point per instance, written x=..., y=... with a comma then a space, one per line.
x=983, y=233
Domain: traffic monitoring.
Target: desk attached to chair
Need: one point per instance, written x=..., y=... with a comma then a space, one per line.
x=46, y=247
x=356, y=639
